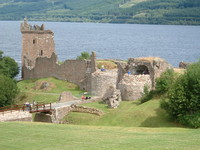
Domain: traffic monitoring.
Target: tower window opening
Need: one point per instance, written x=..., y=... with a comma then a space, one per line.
x=34, y=41
x=41, y=53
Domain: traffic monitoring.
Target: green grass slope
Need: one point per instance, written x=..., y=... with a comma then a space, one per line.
x=31, y=90
x=128, y=114
x=34, y=136
x=113, y=11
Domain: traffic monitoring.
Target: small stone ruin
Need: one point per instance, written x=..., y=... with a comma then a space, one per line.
x=65, y=97
x=112, y=97
x=184, y=65
x=44, y=85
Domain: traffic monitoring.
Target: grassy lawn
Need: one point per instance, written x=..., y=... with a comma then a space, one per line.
x=107, y=64
x=34, y=136
x=31, y=89
x=129, y=114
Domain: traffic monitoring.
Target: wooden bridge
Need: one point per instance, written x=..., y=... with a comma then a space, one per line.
x=41, y=107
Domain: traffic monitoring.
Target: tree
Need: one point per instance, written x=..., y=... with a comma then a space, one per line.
x=8, y=66
x=183, y=100
x=84, y=55
x=8, y=90
x=164, y=82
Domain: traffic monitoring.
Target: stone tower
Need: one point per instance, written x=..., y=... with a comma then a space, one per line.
x=36, y=42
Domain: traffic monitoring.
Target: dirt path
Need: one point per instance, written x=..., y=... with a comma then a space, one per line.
x=41, y=93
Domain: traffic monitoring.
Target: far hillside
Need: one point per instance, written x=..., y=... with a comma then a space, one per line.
x=109, y=11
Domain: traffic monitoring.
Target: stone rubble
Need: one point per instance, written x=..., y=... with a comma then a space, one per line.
x=112, y=98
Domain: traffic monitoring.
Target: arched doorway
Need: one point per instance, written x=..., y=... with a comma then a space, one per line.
x=141, y=69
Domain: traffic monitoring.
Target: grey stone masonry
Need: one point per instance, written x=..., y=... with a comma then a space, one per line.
x=101, y=81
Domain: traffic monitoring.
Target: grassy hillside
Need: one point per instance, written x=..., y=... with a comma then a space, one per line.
x=34, y=136
x=31, y=90
x=113, y=11
x=129, y=114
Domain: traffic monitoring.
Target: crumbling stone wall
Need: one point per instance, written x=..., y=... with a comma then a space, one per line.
x=132, y=86
x=83, y=109
x=74, y=71
x=101, y=81
x=184, y=65
x=143, y=71
x=59, y=113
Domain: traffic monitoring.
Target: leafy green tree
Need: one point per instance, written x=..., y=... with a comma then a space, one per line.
x=8, y=90
x=84, y=55
x=183, y=100
x=165, y=81
x=8, y=66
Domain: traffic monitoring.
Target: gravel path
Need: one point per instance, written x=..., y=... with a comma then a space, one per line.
x=57, y=105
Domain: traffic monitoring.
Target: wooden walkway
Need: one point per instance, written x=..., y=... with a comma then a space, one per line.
x=29, y=108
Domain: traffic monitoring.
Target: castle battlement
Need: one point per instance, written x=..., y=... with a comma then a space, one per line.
x=28, y=28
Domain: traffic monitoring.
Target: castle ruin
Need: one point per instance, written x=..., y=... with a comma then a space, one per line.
x=39, y=60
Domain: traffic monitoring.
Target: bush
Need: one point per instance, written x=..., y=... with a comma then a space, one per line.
x=183, y=98
x=165, y=81
x=147, y=95
x=8, y=66
x=191, y=120
x=84, y=55
x=8, y=90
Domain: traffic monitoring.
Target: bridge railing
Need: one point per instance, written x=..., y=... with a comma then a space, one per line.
x=40, y=107
x=11, y=108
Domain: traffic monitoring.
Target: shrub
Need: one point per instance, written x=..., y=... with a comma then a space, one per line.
x=165, y=81
x=84, y=55
x=8, y=66
x=183, y=98
x=147, y=95
x=8, y=90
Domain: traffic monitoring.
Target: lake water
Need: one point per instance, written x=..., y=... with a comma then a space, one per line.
x=111, y=41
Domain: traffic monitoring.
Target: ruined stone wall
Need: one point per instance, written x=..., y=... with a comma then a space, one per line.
x=71, y=70
x=59, y=113
x=84, y=109
x=101, y=81
x=132, y=86
x=155, y=65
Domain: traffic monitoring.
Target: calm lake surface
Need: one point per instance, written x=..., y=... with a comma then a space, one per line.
x=117, y=41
